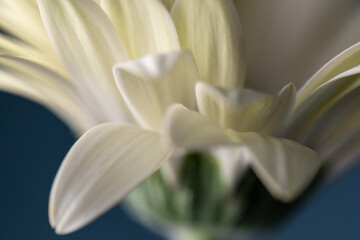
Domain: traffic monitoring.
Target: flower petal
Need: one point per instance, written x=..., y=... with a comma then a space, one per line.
x=314, y=106
x=211, y=30
x=339, y=64
x=149, y=85
x=289, y=40
x=168, y=4
x=105, y=164
x=38, y=83
x=144, y=26
x=243, y=109
x=189, y=129
x=89, y=46
x=333, y=131
x=284, y=167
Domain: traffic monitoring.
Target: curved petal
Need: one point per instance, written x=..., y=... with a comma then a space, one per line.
x=344, y=61
x=89, y=46
x=284, y=167
x=105, y=164
x=149, y=85
x=289, y=40
x=189, y=129
x=144, y=26
x=211, y=30
x=245, y=110
x=38, y=83
x=334, y=129
x=314, y=106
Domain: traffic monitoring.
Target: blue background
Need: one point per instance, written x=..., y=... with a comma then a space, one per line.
x=33, y=143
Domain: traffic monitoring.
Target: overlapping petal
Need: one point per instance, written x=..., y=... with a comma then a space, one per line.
x=211, y=30
x=144, y=26
x=344, y=61
x=38, y=83
x=105, y=164
x=314, y=106
x=89, y=46
x=284, y=167
x=149, y=85
x=243, y=109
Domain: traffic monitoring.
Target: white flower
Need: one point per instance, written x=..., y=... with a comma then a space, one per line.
x=174, y=99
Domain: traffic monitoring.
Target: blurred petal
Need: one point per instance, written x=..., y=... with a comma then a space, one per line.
x=40, y=84
x=168, y=4
x=243, y=109
x=289, y=40
x=144, y=26
x=333, y=130
x=89, y=46
x=149, y=85
x=344, y=61
x=314, y=106
x=284, y=167
x=105, y=164
x=211, y=30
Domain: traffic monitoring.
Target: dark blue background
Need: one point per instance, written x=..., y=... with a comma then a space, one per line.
x=33, y=143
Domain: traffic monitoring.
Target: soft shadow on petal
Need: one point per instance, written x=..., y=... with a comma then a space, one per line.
x=283, y=166
x=144, y=26
x=243, y=109
x=38, y=83
x=89, y=46
x=168, y=4
x=321, y=100
x=211, y=30
x=104, y=165
x=149, y=85
x=336, y=135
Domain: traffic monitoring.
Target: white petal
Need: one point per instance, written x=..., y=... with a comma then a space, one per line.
x=144, y=26
x=283, y=166
x=314, y=106
x=244, y=110
x=104, y=165
x=40, y=84
x=191, y=130
x=89, y=46
x=149, y=85
x=341, y=63
x=211, y=30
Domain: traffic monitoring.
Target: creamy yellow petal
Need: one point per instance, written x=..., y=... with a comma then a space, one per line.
x=40, y=84
x=243, y=109
x=89, y=46
x=144, y=26
x=149, y=85
x=283, y=166
x=341, y=63
x=211, y=30
x=104, y=165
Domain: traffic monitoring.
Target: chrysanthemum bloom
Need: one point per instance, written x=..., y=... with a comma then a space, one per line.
x=165, y=81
